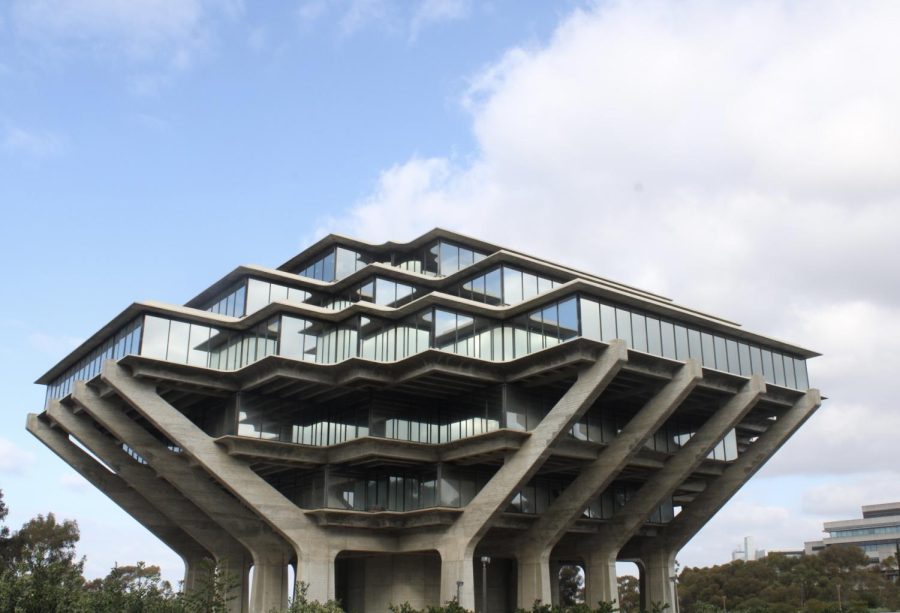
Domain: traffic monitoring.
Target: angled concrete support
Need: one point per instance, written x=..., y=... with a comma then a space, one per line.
x=117, y=490
x=694, y=516
x=229, y=554
x=535, y=581
x=458, y=546
x=602, y=549
x=266, y=548
x=307, y=542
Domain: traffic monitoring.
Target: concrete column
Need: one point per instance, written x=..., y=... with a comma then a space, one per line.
x=193, y=484
x=270, y=586
x=658, y=570
x=694, y=516
x=536, y=580
x=457, y=566
x=115, y=488
x=523, y=464
x=554, y=582
x=600, y=578
x=596, y=477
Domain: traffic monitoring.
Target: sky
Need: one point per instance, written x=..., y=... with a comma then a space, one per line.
x=742, y=158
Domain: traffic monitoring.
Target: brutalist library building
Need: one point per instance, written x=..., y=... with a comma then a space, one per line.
x=421, y=422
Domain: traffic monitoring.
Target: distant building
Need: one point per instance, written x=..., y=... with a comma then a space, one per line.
x=877, y=533
x=749, y=553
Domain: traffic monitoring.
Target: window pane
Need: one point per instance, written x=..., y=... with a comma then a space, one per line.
x=623, y=326
x=179, y=337
x=607, y=323
x=744, y=357
x=802, y=377
x=156, y=337
x=529, y=286
x=199, y=346
x=779, y=368
x=449, y=263
x=568, y=319
x=667, y=332
x=493, y=287
x=639, y=331
x=734, y=365
x=768, y=366
x=328, y=267
x=789, y=379
x=709, y=351
x=345, y=263
x=721, y=353
x=590, y=319
x=257, y=295
x=512, y=285
x=654, y=341
x=756, y=361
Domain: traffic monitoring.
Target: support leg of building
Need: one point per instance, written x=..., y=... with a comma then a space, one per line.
x=226, y=550
x=600, y=578
x=117, y=490
x=658, y=574
x=194, y=485
x=462, y=537
x=594, y=478
x=694, y=516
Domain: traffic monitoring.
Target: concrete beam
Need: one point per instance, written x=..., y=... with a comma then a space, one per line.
x=116, y=489
x=707, y=503
x=229, y=554
x=603, y=548
x=457, y=548
x=264, y=546
x=535, y=545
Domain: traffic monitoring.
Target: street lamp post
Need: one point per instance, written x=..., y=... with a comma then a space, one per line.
x=485, y=560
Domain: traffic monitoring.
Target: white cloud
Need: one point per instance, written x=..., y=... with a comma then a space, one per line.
x=431, y=12
x=14, y=459
x=170, y=34
x=844, y=501
x=33, y=144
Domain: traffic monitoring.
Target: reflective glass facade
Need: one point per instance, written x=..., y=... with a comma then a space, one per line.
x=334, y=264
x=505, y=285
x=669, y=339
x=441, y=258
x=384, y=489
x=865, y=531
x=233, y=303
x=125, y=341
x=456, y=332
x=379, y=290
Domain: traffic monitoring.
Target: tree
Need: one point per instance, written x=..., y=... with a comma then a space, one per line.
x=629, y=594
x=41, y=573
x=571, y=585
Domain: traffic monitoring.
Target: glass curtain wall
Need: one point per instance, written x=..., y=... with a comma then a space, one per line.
x=614, y=498
x=126, y=340
x=657, y=336
x=250, y=295
x=379, y=290
x=441, y=258
x=505, y=285
x=334, y=264
x=446, y=330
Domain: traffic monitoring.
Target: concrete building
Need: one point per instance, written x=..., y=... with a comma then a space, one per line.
x=877, y=533
x=748, y=551
x=381, y=417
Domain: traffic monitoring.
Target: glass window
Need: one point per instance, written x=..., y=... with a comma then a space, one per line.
x=779, y=368
x=802, y=377
x=257, y=295
x=156, y=337
x=721, y=353
x=744, y=357
x=179, y=337
x=328, y=267
x=512, y=285
x=756, y=361
x=768, y=366
x=449, y=263
x=590, y=319
x=734, y=365
x=529, y=286
x=695, y=345
x=789, y=378
x=654, y=340
x=623, y=326
x=607, y=323
x=493, y=287
x=568, y=319
x=709, y=351
x=667, y=337
x=639, y=332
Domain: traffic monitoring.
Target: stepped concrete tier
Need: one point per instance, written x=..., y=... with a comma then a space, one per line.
x=380, y=420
